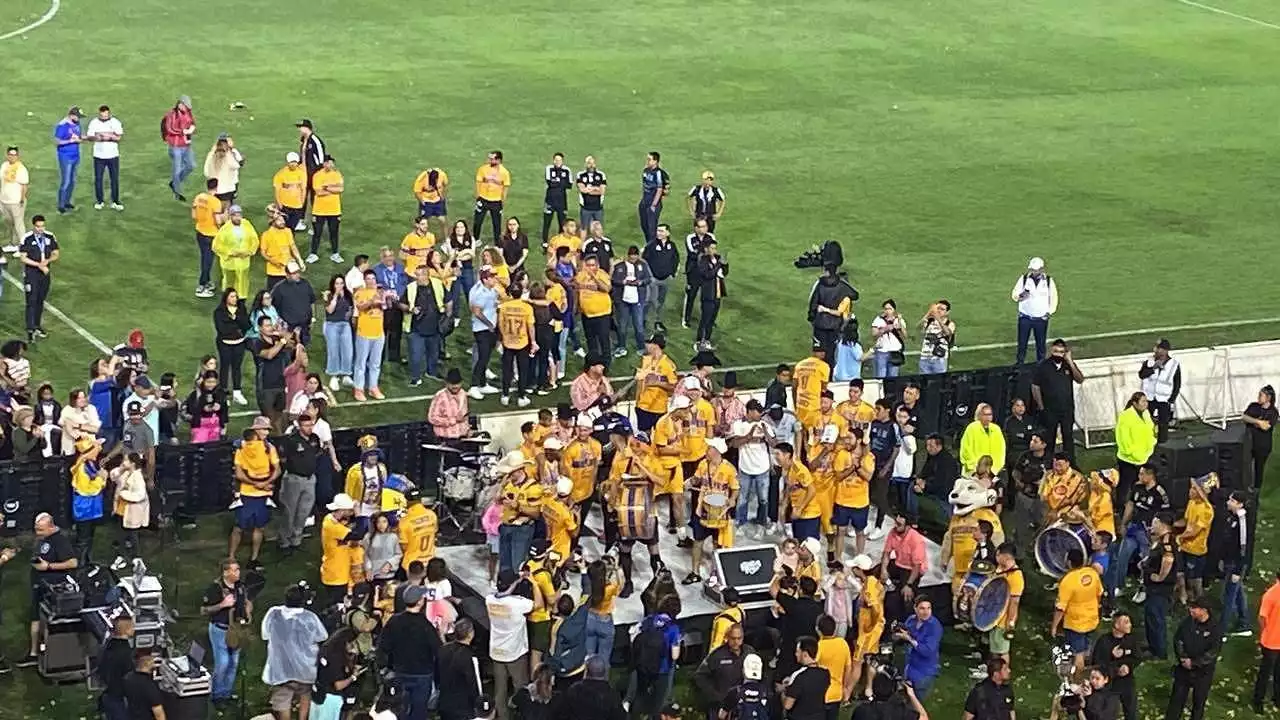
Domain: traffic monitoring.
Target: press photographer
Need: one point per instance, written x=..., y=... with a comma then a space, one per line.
x=293, y=634
x=891, y=699
x=923, y=632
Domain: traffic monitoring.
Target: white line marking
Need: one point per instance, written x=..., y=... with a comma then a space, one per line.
x=963, y=348
x=1228, y=13
x=46, y=17
x=77, y=327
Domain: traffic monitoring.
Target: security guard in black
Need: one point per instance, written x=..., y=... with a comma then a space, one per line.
x=556, y=202
x=38, y=251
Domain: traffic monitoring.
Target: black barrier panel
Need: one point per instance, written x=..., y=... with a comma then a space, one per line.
x=947, y=401
x=28, y=489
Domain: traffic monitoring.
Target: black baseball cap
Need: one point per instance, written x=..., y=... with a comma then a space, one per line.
x=306, y=123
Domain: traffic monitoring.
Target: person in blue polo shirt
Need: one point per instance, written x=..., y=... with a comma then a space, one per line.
x=654, y=183
x=66, y=136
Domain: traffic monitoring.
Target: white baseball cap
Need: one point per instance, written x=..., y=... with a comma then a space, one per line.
x=692, y=383
x=583, y=421
x=720, y=445
x=813, y=545
x=752, y=667
x=552, y=443
x=564, y=486
x=292, y=157
x=1036, y=264
x=680, y=402
x=863, y=562
x=342, y=501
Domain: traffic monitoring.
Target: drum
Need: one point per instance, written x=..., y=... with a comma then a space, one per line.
x=1056, y=541
x=458, y=484
x=635, y=511
x=990, y=597
x=715, y=509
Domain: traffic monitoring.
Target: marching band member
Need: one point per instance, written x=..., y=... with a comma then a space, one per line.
x=366, y=478
x=1064, y=491
x=580, y=462
x=655, y=383
x=669, y=435
x=800, y=494
x=634, y=461
x=714, y=477
x=521, y=498
x=998, y=639
x=1193, y=542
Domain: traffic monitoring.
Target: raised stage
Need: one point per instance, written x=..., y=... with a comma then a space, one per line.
x=469, y=567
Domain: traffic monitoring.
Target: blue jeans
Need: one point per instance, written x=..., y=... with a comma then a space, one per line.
x=225, y=662
x=600, y=636
x=880, y=360
x=424, y=353
x=417, y=693
x=1136, y=540
x=907, y=499
x=183, y=162
x=921, y=685
x=1155, y=616
x=204, y=244
x=66, y=180
x=513, y=545
x=632, y=314
x=930, y=365
x=466, y=281
x=1028, y=325
x=757, y=485
x=1234, y=601
x=337, y=344
x=368, y=362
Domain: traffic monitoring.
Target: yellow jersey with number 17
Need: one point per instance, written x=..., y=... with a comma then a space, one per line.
x=515, y=317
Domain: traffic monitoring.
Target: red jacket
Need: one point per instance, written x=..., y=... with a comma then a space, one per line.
x=174, y=125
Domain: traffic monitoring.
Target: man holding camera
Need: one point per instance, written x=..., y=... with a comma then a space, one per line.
x=923, y=632
x=939, y=334
x=888, y=704
x=830, y=307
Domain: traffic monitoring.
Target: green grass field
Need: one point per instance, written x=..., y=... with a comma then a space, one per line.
x=942, y=143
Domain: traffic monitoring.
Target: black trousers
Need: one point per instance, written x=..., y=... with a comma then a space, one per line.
x=597, y=331
x=828, y=340
x=111, y=167
x=549, y=211
x=1124, y=484
x=1195, y=683
x=492, y=208
x=1259, y=466
x=707, y=320
x=230, y=360
x=293, y=216
x=517, y=361
x=36, y=285
x=318, y=224
x=1064, y=421
x=691, y=288
x=393, y=327
x=1267, y=676
x=1162, y=413
x=484, y=340
x=1127, y=691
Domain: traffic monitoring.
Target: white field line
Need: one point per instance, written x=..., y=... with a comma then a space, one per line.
x=46, y=17
x=1152, y=331
x=1228, y=13
x=93, y=340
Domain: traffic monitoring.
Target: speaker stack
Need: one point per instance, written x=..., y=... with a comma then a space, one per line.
x=1225, y=452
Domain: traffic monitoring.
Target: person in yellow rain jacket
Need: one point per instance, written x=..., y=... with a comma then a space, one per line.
x=982, y=437
x=1135, y=442
x=235, y=245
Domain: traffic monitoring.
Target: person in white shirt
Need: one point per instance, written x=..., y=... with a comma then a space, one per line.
x=890, y=334
x=752, y=437
x=1037, y=298
x=106, y=131
x=509, y=633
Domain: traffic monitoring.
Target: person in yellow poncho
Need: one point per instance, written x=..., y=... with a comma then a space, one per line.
x=982, y=437
x=87, y=482
x=235, y=245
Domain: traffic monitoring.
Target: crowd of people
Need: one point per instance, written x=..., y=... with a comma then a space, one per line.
x=845, y=485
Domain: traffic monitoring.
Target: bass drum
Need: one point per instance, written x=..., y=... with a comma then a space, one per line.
x=990, y=598
x=1055, y=542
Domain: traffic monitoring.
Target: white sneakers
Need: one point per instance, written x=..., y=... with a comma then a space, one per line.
x=505, y=400
x=238, y=398
x=875, y=533
x=300, y=227
x=335, y=258
x=580, y=352
x=335, y=384
x=489, y=390
x=312, y=258
x=523, y=401
x=475, y=394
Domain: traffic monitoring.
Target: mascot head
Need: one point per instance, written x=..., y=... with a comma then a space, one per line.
x=968, y=495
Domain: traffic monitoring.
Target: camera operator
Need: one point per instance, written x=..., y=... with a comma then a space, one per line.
x=115, y=662
x=1196, y=644
x=408, y=647
x=887, y=703
x=923, y=632
x=293, y=635
x=54, y=558
x=992, y=699
x=830, y=307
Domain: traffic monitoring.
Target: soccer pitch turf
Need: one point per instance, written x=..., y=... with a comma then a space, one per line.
x=943, y=143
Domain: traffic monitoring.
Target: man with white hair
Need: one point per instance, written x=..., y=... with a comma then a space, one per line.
x=717, y=483
x=1037, y=298
x=53, y=560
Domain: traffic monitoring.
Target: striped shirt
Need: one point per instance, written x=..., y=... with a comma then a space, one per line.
x=706, y=200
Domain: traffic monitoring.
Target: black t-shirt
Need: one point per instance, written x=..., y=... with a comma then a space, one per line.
x=55, y=548
x=913, y=419
x=809, y=688
x=800, y=619
x=601, y=248
x=142, y=694
x=1017, y=433
x=214, y=595
x=1102, y=705
x=892, y=709
x=327, y=675
x=271, y=370
x=1262, y=438
x=591, y=178
x=300, y=453
x=1031, y=469
x=1151, y=566
x=1147, y=502
x=989, y=701
x=115, y=662
x=1053, y=377
x=513, y=247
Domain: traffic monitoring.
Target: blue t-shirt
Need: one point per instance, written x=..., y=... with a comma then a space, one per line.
x=653, y=180
x=1102, y=559
x=63, y=131
x=848, y=362
x=100, y=398
x=487, y=300
x=883, y=438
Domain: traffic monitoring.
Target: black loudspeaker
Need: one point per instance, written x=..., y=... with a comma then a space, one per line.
x=194, y=707
x=1234, y=467
x=749, y=570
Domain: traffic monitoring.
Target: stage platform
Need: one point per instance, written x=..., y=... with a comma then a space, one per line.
x=468, y=565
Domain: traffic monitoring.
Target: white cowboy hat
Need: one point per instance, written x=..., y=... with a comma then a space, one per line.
x=511, y=462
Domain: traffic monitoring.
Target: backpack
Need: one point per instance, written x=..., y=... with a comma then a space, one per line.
x=649, y=649
x=753, y=703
